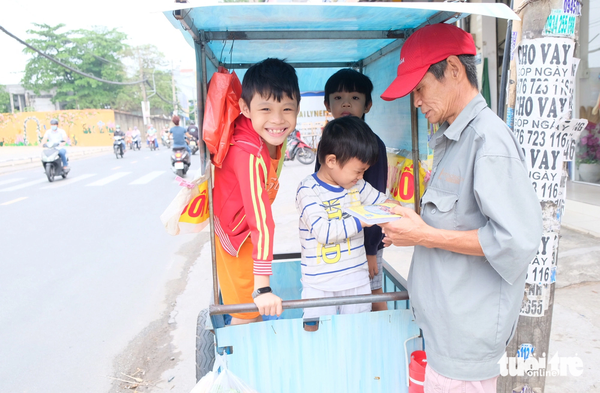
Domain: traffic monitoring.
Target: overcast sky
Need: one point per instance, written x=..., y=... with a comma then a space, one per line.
x=136, y=18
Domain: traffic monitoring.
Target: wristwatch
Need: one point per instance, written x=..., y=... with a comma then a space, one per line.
x=260, y=291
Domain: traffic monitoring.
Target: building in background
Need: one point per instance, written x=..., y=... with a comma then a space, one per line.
x=22, y=100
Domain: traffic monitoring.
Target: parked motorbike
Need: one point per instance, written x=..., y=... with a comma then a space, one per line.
x=152, y=142
x=166, y=141
x=118, y=146
x=52, y=163
x=180, y=161
x=193, y=144
x=297, y=148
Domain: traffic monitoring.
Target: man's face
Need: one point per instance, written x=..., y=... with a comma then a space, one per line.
x=343, y=103
x=272, y=120
x=432, y=96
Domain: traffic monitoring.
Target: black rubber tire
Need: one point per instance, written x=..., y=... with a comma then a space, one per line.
x=50, y=172
x=306, y=155
x=121, y=151
x=64, y=175
x=205, y=346
x=180, y=172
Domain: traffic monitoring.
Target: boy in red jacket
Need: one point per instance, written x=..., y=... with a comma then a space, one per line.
x=246, y=185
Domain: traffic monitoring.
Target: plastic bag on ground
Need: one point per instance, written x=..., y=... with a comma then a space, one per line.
x=221, y=380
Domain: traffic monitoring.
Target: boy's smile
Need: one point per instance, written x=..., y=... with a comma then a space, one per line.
x=272, y=120
x=343, y=103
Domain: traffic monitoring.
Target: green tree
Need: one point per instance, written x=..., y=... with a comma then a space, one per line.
x=97, y=52
x=4, y=100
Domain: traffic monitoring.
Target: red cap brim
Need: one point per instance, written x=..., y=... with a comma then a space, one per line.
x=404, y=84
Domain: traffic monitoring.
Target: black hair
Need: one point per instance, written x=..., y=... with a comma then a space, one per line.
x=348, y=137
x=468, y=61
x=349, y=80
x=271, y=78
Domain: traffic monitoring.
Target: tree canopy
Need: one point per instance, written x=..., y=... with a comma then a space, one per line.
x=4, y=100
x=100, y=52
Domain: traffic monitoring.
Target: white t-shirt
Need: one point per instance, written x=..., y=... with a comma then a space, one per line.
x=333, y=253
x=57, y=136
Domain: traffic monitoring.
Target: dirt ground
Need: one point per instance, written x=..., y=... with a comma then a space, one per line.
x=140, y=365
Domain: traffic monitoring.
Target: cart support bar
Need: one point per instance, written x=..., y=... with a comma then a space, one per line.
x=307, y=303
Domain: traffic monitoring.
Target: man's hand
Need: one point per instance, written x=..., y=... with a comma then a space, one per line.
x=372, y=262
x=410, y=230
x=269, y=304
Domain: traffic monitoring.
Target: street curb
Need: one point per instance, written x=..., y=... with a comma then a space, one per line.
x=17, y=164
x=580, y=230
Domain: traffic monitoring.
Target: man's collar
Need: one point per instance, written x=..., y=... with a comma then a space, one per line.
x=453, y=131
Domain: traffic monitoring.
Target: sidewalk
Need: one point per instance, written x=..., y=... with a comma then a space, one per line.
x=15, y=158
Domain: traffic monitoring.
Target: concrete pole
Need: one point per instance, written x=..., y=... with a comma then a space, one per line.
x=540, y=111
x=173, y=86
x=145, y=103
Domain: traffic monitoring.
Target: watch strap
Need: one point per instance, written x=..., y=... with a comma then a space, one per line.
x=260, y=291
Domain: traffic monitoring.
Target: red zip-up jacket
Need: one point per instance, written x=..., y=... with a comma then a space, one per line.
x=244, y=188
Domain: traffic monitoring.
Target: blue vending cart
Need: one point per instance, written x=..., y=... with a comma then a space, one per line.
x=356, y=353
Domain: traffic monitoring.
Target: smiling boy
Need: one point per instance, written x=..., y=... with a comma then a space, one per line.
x=246, y=186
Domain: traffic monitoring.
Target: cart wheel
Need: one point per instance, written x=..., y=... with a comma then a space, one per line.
x=205, y=346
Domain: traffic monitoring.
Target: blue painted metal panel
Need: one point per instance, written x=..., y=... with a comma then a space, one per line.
x=352, y=353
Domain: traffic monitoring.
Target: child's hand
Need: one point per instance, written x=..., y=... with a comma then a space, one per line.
x=373, y=270
x=269, y=304
x=365, y=225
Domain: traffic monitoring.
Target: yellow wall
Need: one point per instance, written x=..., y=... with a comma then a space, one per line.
x=89, y=127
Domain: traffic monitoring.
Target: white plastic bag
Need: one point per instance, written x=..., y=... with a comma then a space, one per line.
x=221, y=380
x=188, y=212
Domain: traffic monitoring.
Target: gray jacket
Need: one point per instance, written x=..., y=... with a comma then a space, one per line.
x=468, y=306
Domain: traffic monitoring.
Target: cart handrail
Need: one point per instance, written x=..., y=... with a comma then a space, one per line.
x=307, y=303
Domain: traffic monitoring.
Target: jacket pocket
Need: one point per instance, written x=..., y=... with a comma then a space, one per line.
x=439, y=208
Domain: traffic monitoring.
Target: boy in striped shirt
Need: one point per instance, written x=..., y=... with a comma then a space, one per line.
x=334, y=262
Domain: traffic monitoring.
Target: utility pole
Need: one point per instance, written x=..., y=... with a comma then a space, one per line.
x=173, y=86
x=145, y=103
x=540, y=112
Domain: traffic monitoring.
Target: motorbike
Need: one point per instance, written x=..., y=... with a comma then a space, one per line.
x=180, y=161
x=152, y=142
x=166, y=141
x=297, y=148
x=52, y=163
x=136, y=142
x=118, y=146
x=193, y=144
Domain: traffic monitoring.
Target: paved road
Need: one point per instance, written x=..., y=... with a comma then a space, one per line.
x=85, y=267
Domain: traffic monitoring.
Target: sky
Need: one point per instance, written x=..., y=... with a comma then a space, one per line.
x=139, y=19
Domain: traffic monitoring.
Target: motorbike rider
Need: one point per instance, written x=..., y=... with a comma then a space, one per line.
x=57, y=135
x=152, y=131
x=193, y=130
x=179, y=134
x=119, y=132
x=136, y=136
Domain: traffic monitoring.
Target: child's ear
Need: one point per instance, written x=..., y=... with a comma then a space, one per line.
x=326, y=102
x=368, y=107
x=330, y=160
x=244, y=108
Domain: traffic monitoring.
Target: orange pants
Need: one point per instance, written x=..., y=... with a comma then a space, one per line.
x=236, y=276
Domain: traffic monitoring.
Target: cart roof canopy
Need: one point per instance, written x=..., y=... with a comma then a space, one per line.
x=347, y=34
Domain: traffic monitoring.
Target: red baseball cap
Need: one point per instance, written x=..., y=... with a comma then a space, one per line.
x=426, y=46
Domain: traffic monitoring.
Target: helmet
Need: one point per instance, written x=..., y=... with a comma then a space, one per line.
x=191, y=122
x=118, y=127
x=54, y=121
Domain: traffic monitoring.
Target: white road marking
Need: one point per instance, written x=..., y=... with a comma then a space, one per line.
x=3, y=182
x=148, y=178
x=13, y=201
x=133, y=162
x=117, y=167
x=23, y=185
x=109, y=179
x=68, y=181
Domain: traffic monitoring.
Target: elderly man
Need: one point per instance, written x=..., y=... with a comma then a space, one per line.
x=480, y=222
